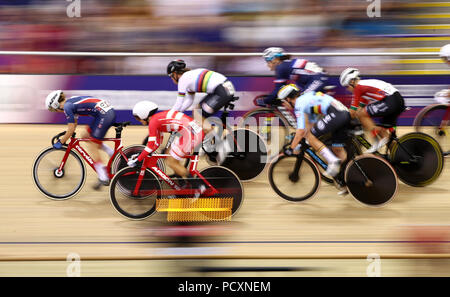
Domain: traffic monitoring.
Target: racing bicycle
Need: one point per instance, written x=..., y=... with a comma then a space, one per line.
x=60, y=174
x=134, y=190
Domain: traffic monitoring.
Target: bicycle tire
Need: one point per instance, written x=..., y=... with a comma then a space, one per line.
x=282, y=167
x=430, y=159
x=55, y=181
x=283, y=135
x=382, y=175
x=223, y=178
x=144, y=205
x=429, y=120
x=248, y=158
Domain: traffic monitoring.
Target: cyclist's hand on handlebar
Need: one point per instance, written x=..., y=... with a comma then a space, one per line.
x=288, y=151
x=58, y=144
x=260, y=102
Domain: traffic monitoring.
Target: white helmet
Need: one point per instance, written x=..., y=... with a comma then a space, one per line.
x=273, y=52
x=144, y=109
x=51, y=102
x=347, y=75
x=445, y=52
x=290, y=91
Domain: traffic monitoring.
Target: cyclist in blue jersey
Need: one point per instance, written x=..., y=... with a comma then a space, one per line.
x=336, y=117
x=104, y=117
x=307, y=75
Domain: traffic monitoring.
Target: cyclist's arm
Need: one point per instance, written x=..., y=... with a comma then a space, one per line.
x=154, y=137
x=70, y=129
x=282, y=77
x=300, y=132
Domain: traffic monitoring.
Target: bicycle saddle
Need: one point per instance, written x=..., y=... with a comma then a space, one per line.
x=122, y=124
x=387, y=126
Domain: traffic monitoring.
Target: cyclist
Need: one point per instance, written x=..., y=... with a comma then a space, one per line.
x=104, y=117
x=443, y=96
x=445, y=54
x=336, y=117
x=307, y=75
x=191, y=135
x=219, y=92
x=373, y=98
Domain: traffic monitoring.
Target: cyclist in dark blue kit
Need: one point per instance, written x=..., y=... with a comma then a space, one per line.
x=308, y=76
x=104, y=117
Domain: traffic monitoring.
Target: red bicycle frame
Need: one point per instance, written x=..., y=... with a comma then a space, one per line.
x=150, y=162
x=74, y=144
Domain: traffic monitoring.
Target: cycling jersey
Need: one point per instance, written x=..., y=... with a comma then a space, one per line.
x=314, y=104
x=308, y=76
x=371, y=90
x=103, y=113
x=85, y=106
x=191, y=134
x=196, y=81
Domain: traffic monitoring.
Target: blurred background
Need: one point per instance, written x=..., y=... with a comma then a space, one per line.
x=220, y=26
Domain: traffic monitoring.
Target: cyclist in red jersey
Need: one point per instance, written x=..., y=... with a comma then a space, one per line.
x=190, y=134
x=373, y=98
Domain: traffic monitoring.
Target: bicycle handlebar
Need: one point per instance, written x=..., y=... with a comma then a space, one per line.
x=57, y=136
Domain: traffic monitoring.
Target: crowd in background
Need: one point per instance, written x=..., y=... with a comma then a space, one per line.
x=193, y=26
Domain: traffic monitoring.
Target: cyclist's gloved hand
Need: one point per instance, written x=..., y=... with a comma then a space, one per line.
x=132, y=161
x=58, y=144
x=260, y=102
x=288, y=152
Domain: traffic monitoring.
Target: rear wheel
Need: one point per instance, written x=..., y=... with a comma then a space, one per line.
x=135, y=205
x=371, y=180
x=417, y=159
x=248, y=157
x=55, y=184
x=293, y=178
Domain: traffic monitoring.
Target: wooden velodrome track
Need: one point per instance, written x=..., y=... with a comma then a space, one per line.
x=329, y=226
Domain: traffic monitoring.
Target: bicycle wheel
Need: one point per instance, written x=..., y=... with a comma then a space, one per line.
x=248, y=157
x=54, y=185
x=271, y=125
x=383, y=180
x=139, y=206
x=228, y=184
x=432, y=121
x=294, y=186
x=417, y=159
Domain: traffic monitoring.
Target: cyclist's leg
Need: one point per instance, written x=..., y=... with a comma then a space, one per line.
x=98, y=131
x=334, y=121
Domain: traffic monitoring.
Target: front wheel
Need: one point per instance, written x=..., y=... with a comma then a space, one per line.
x=132, y=200
x=120, y=162
x=294, y=178
x=371, y=180
x=433, y=120
x=417, y=159
x=271, y=125
x=55, y=184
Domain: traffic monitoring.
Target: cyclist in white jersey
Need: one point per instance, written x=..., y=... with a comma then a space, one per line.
x=219, y=92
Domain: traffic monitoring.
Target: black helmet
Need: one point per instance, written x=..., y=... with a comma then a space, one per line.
x=175, y=65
